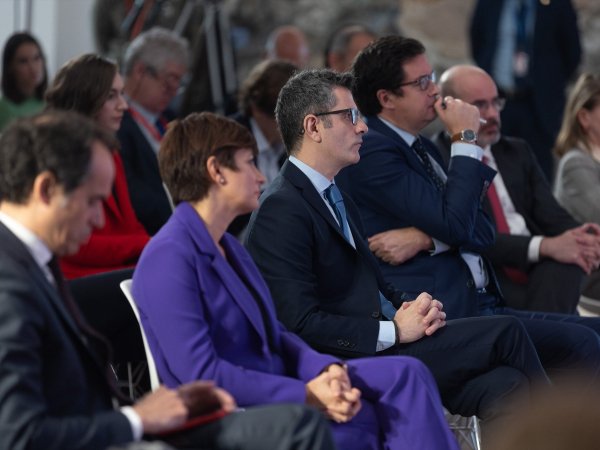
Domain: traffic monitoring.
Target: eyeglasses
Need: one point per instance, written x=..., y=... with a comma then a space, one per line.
x=498, y=104
x=352, y=114
x=422, y=82
x=170, y=81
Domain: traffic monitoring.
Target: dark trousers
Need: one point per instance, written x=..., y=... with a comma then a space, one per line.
x=478, y=363
x=551, y=287
x=566, y=344
x=278, y=427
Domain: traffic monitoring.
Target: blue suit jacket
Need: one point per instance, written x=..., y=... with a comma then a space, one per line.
x=203, y=321
x=554, y=58
x=392, y=190
x=148, y=196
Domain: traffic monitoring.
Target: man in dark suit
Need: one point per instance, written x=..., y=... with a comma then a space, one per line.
x=325, y=282
x=531, y=48
x=155, y=63
x=57, y=390
x=541, y=253
x=400, y=188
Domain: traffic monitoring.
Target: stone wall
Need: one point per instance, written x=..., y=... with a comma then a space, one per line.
x=440, y=24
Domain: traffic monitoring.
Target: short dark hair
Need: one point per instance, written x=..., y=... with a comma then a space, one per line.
x=82, y=84
x=10, y=87
x=189, y=143
x=381, y=66
x=58, y=142
x=307, y=92
x=261, y=87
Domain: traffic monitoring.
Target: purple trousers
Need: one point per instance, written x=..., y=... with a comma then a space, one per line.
x=401, y=407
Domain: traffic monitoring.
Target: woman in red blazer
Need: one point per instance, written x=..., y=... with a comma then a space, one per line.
x=92, y=86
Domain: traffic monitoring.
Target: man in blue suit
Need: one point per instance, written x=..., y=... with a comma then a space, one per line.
x=325, y=283
x=399, y=185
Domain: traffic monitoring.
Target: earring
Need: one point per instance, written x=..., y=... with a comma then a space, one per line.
x=222, y=180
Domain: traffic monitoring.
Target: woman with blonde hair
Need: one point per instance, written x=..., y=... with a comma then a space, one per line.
x=577, y=183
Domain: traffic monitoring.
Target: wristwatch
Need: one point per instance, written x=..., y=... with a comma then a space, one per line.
x=466, y=136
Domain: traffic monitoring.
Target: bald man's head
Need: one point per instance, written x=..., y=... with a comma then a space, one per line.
x=289, y=43
x=473, y=85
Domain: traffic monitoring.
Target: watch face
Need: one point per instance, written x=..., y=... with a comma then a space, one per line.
x=469, y=136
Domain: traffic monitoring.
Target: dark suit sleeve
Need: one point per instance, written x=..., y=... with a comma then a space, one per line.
x=25, y=420
x=286, y=245
x=397, y=193
x=533, y=199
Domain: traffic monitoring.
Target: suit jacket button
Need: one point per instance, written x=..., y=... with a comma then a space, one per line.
x=470, y=283
x=375, y=315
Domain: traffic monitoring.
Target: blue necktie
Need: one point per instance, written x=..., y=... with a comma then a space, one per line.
x=334, y=197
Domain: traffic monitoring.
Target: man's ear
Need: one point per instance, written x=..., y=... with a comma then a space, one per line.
x=384, y=99
x=311, y=129
x=45, y=187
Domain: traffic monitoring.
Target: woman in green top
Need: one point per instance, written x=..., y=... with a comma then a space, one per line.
x=24, y=78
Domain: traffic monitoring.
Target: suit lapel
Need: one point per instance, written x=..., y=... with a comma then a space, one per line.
x=233, y=283
x=402, y=146
x=312, y=197
x=506, y=167
x=12, y=245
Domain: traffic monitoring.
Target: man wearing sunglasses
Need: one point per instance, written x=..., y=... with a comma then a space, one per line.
x=427, y=225
x=541, y=253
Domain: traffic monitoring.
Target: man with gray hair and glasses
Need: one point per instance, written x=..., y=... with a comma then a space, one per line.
x=155, y=63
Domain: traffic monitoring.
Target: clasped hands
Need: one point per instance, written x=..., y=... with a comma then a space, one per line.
x=332, y=393
x=580, y=246
x=420, y=317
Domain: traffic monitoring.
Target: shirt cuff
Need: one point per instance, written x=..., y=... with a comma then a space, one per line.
x=533, y=252
x=470, y=150
x=387, y=335
x=134, y=420
x=438, y=247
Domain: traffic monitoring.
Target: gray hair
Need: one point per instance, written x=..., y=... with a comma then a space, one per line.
x=155, y=48
x=308, y=92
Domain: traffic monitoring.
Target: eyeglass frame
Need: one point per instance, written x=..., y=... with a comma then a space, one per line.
x=423, y=82
x=167, y=80
x=354, y=114
x=497, y=103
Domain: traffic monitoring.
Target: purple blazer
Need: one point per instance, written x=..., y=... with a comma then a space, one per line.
x=203, y=322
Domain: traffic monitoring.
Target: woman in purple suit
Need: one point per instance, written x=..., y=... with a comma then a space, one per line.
x=208, y=313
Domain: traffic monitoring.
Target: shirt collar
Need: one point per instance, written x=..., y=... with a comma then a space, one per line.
x=150, y=117
x=405, y=135
x=40, y=252
x=319, y=181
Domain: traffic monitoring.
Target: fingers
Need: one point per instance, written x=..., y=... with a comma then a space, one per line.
x=344, y=409
x=436, y=325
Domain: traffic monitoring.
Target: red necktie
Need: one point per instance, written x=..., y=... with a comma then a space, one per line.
x=517, y=276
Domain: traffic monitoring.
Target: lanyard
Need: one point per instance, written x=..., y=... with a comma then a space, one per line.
x=152, y=129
